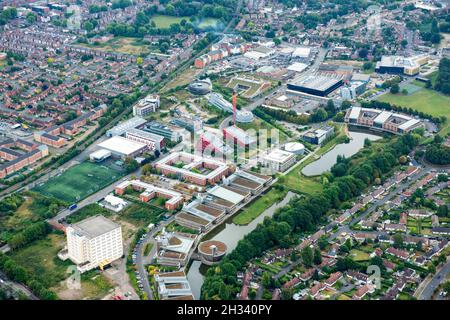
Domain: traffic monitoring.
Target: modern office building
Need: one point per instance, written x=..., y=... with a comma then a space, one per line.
x=381, y=120
x=123, y=127
x=147, y=105
x=94, y=242
x=168, y=132
x=153, y=141
x=278, y=160
x=401, y=65
x=318, y=136
x=238, y=136
x=173, y=286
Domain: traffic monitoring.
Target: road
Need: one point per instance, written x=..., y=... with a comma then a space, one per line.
x=438, y=278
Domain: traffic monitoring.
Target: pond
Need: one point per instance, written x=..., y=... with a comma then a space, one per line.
x=346, y=149
x=230, y=234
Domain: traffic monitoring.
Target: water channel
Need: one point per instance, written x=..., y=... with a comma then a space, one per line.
x=230, y=234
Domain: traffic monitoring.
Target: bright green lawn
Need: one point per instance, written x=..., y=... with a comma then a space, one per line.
x=164, y=22
x=425, y=100
x=78, y=182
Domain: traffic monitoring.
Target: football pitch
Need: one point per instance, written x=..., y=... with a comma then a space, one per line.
x=78, y=182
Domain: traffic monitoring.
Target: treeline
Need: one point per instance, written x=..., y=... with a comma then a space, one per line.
x=304, y=214
x=30, y=234
x=443, y=78
x=17, y=273
x=387, y=106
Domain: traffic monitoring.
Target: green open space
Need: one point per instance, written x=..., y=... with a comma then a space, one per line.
x=40, y=259
x=164, y=22
x=358, y=255
x=126, y=45
x=254, y=209
x=78, y=182
x=425, y=100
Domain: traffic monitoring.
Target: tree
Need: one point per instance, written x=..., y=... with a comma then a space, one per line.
x=130, y=165
x=403, y=159
x=267, y=280
x=31, y=17
x=317, y=257
x=395, y=88
x=307, y=256
x=442, y=211
x=286, y=294
x=398, y=240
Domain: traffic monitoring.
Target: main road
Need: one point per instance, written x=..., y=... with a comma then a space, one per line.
x=431, y=285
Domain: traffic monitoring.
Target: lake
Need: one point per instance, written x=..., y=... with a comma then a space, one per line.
x=346, y=149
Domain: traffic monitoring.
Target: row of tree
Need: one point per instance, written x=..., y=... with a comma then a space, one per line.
x=305, y=214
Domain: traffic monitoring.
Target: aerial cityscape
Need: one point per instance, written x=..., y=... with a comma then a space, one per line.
x=246, y=150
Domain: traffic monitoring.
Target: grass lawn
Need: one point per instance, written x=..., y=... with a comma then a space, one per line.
x=358, y=255
x=78, y=182
x=425, y=100
x=258, y=206
x=40, y=259
x=164, y=22
x=125, y=45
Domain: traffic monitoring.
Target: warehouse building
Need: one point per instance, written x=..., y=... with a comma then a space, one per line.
x=122, y=147
x=316, y=85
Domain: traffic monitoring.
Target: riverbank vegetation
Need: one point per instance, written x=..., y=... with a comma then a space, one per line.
x=306, y=214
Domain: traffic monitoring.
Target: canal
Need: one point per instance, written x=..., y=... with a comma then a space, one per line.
x=344, y=149
x=230, y=234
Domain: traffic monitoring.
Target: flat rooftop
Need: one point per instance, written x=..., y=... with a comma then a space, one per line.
x=316, y=82
x=94, y=226
x=122, y=145
x=278, y=155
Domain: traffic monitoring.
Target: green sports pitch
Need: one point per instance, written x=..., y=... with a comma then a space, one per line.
x=78, y=182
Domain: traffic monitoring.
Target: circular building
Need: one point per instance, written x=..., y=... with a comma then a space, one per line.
x=295, y=147
x=244, y=116
x=211, y=251
x=200, y=87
